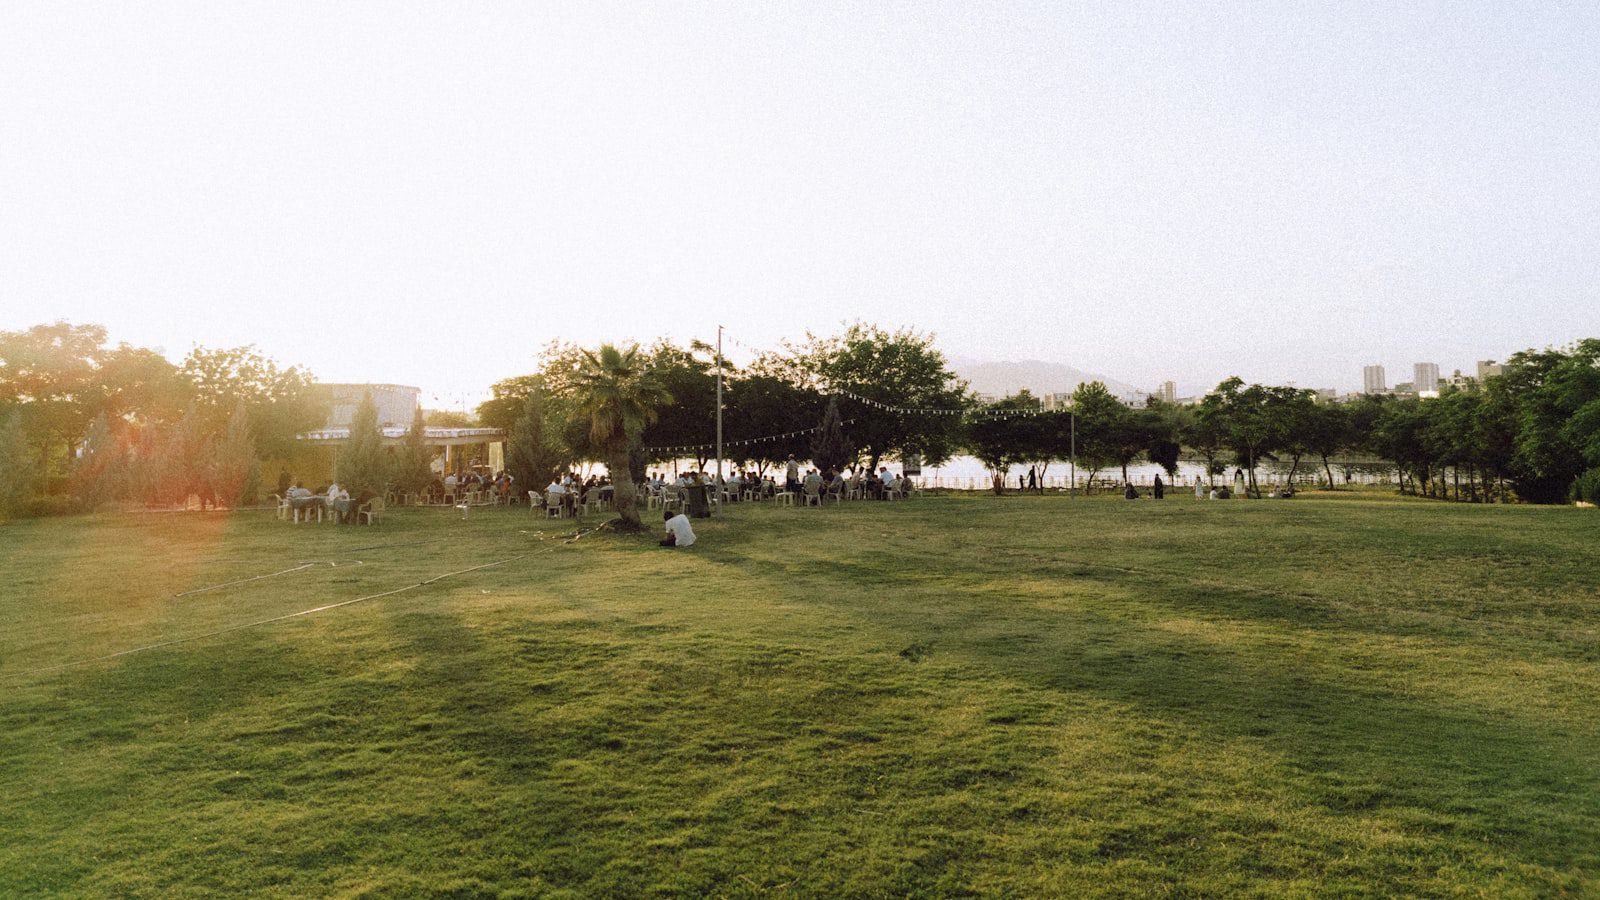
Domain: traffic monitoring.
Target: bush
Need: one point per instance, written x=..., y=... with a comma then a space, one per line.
x=1586, y=487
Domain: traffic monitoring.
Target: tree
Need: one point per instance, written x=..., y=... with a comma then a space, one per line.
x=1326, y=433
x=761, y=406
x=617, y=393
x=235, y=470
x=281, y=403
x=692, y=383
x=1298, y=416
x=1100, y=418
x=98, y=476
x=1207, y=435
x=1255, y=423
x=187, y=462
x=909, y=400
x=505, y=406
x=530, y=457
x=829, y=449
x=363, y=468
x=1009, y=432
x=13, y=463
x=413, y=463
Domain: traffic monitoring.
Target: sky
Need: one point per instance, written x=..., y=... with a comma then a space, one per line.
x=428, y=194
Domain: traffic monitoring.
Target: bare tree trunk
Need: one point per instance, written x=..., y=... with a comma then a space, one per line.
x=1328, y=469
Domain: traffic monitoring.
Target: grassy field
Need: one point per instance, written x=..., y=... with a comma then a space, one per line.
x=1031, y=696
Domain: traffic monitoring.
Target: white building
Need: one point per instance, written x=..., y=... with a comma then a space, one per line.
x=1425, y=377
x=1373, y=380
x=1168, y=392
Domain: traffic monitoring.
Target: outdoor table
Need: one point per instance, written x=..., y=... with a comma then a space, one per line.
x=344, y=507
x=313, y=502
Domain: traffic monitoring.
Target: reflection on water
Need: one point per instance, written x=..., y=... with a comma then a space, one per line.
x=968, y=472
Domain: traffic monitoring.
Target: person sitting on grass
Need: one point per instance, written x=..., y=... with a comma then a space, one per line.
x=679, y=532
x=1130, y=492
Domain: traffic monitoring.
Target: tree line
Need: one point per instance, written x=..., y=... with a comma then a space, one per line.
x=1531, y=434
x=83, y=421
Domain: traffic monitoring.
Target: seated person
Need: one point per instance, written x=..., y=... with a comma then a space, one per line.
x=679, y=532
x=813, y=482
x=298, y=492
x=336, y=493
x=891, y=481
x=1130, y=492
x=554, y=494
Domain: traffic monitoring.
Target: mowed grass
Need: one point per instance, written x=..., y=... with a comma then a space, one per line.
x=1029, y=696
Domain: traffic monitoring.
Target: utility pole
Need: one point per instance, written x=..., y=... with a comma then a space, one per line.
x=1073, y=490
x=718, y=486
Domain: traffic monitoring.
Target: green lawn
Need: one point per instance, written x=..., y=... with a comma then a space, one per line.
x=1028, y=696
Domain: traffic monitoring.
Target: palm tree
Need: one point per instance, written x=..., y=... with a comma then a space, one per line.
x=618, y=391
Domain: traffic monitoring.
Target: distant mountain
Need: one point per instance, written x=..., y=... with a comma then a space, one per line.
x=1001, y=378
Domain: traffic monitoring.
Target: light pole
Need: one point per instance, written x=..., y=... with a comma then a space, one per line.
x=718, y=486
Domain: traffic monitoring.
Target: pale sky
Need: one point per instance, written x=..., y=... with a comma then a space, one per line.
x=426, y=194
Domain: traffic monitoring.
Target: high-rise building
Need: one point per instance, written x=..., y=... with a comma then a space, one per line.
x=1425, y=376
x=1488, y=368
x=1168, y=392
x=1373, y=380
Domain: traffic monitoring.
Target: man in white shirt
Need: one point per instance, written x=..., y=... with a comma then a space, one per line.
x=679, y=532
x=890, y=482
x=336, y=493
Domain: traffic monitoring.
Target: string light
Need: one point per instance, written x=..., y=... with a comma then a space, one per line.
x=741, y=443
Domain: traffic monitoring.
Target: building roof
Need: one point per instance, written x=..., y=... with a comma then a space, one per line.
x=431, y=434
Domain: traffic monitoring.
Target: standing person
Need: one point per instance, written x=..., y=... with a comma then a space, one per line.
x=1199, y=488
x=1033, y=477
x=1158, y=488
x=791, y=475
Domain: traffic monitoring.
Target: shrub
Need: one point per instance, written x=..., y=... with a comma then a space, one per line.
x=1586, y=487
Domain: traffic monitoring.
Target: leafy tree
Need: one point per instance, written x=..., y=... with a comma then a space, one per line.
x=1207, y=435
x=47, y=372
x=1326, y=433
x=895, y=372
x=829, y=449
x=505, y=406
x=761, y=405
x=1165, y=425
x=1012, y=431
x=13, y=463
x=1298, y=416
x=617, y=393
x=449, y=418
x=1100, y=427
x=1255, y=421
x=692, y=382
x=363, y=468
x=281, y=403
